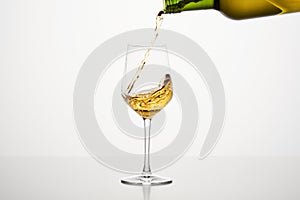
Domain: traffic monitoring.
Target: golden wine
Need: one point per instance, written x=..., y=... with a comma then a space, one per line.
x=150, y=102
x=235, y=9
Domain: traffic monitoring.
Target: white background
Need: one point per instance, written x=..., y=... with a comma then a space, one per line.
x=44, y=43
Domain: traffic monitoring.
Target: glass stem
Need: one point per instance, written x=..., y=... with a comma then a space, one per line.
x=147, y=127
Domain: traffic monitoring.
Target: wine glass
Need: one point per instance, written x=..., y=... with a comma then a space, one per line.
x=147, y=89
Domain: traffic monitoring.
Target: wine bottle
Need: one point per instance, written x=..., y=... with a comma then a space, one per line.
x=235, y=9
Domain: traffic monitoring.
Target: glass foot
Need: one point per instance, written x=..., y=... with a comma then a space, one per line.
x=146, y=180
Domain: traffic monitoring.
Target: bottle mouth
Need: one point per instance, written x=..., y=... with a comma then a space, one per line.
x=171, y=6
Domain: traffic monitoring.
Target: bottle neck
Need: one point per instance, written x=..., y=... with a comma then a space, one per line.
x=176, y=6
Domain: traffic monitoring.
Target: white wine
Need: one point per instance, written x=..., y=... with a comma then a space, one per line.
x=148, y=103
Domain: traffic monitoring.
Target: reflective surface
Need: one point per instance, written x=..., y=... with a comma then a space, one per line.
x=215, y=178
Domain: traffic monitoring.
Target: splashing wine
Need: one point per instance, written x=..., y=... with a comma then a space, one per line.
x=149, y=102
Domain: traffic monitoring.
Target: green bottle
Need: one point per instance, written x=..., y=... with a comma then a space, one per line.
x=235, y=9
